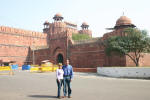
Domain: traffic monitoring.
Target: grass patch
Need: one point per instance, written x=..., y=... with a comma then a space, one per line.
x=80, y=37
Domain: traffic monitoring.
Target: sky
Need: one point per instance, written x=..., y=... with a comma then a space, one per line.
x=99, y=14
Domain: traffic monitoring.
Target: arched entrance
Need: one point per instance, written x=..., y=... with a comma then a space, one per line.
x=60, y=58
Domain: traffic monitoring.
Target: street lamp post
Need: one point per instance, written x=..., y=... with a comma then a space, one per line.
x=33, y=47
x=33, y=57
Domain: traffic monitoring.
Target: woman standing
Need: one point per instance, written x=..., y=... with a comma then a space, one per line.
x=59, y=76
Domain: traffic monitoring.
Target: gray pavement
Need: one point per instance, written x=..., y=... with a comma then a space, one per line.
x=42, y=86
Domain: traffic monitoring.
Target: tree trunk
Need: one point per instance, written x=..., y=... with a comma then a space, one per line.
x=137, y=64
x=135, y=60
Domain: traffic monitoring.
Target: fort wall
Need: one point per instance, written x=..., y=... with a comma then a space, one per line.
x=56, y=44
x=87, y=54
x=41, y=55
x=15, y=36
x=15, y=43
x=14, y=53
x=144, y=60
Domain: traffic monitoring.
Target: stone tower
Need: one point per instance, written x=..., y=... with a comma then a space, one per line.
x=55, y=27
x=85, y=29
x=58, y=25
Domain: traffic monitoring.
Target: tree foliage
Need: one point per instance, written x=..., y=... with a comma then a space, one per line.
x=134, y=43
x=80, y=36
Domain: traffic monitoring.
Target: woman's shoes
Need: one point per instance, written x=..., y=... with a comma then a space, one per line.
x=69, y=97
x=64, y=97
x=59, y=97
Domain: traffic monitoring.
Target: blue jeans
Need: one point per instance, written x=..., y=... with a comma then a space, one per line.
x=67, y=85
x=59, y=84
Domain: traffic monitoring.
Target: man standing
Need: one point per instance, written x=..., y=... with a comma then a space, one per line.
x=68, y=75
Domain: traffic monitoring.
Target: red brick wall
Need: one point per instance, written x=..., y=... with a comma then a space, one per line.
x=86, y=55
x=114, y=60
x=93, y=55
x=58, y=45
x=15, y=43
x=144, y=61
x=40, y=55
x=94, y=70
x=13, y=53
x=21, y=37
x=113, y=33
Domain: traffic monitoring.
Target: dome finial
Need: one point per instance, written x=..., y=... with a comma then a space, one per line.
x=123, y=13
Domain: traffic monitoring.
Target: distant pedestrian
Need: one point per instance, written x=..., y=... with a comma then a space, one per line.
x=68, y=75
x=59, y=80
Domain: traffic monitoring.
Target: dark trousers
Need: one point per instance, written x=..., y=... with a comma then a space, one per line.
x=59, y=84
x=67, y=85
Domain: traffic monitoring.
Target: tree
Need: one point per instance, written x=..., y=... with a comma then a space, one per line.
x=134, y=44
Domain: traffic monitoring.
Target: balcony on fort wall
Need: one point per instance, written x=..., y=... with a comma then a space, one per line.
x=71, y=25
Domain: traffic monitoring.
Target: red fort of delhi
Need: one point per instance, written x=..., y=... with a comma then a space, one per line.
x=56, y=44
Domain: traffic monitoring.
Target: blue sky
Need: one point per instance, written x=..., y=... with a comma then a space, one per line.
x=99, y=14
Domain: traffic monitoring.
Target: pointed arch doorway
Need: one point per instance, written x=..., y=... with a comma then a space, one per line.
x=60, y=58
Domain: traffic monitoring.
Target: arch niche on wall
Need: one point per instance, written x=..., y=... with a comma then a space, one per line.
x=58, y=55
x=60, y=58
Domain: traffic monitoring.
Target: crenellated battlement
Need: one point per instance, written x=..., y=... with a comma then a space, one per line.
x=16, y=31
x=58, y=35
x=118, y=32
x=61, y=35
x=59, y=24
x=86, y=31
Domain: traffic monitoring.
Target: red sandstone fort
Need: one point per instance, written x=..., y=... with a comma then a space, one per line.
x=56, y=44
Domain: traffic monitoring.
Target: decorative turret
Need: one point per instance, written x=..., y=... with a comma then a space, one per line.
x=46, y=27
x=121, y=23
x=84, y=26
x=58, y=25
x=58, y=17
x=85, y=29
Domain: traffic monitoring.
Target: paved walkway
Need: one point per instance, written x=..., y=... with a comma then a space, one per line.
x=42, y=86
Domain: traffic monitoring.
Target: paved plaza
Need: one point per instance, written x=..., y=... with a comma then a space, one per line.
x=42, y=86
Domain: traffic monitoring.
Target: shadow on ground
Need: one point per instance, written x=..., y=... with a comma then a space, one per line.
x=42, y=96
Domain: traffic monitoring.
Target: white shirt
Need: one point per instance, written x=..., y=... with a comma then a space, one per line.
x=59, y=74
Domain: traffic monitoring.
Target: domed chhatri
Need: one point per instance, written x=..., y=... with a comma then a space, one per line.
x=58, y=17
x=46, y=26
x=84, y=25
x=46, y=22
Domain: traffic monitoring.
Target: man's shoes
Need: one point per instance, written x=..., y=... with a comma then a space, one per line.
x=69, y=97
x=63, y=96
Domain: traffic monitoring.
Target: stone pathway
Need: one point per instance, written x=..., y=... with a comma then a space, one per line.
x=85, y=86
